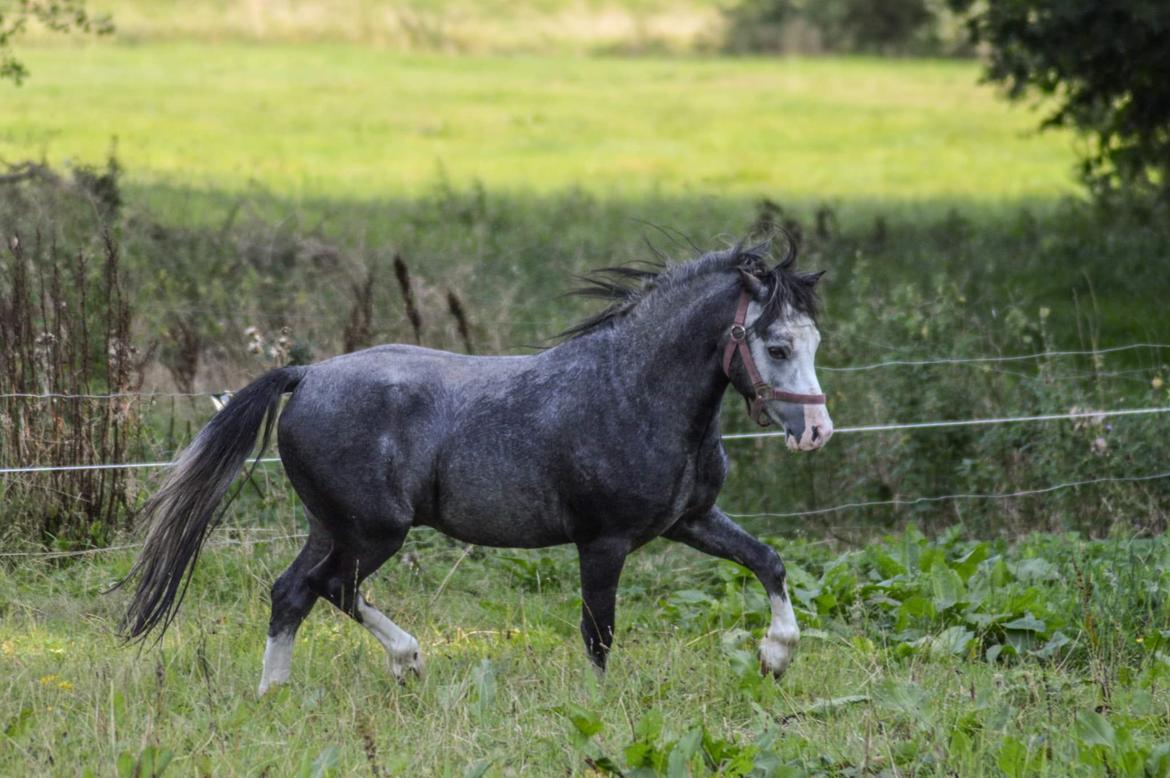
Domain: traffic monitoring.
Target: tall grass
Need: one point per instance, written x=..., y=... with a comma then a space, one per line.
x=66, y=327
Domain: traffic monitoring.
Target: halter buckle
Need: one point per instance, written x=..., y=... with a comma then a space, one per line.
x=738, y=333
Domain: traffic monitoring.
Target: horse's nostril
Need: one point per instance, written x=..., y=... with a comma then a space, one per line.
x=816, y=433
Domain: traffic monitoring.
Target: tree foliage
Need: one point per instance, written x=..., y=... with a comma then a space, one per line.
x=890, y=27
x=60, y=16
x=1104, y=65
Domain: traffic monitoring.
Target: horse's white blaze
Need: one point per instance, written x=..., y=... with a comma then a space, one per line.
x=399, y=644
x=779, y=644
x=796, y=373
x=277, y=660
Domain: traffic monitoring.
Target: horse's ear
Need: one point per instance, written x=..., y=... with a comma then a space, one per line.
x=758, y=252
x=753, y=285
x=812, y=278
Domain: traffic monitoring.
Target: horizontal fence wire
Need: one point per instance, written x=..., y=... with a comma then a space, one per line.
x=983, y=360
x=847, y=369
x=918, y=425
x=126, y=547
x=911, y=501
x=894, y=503
x=945, y=423
x=117, y=466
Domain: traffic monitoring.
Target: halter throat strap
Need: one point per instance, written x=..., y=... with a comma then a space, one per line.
x=762, y=391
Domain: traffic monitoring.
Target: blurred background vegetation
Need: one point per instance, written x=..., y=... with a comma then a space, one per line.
x=202, y=191
x=192, y=193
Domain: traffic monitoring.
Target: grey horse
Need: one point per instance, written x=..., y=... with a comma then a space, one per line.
x=606, y=440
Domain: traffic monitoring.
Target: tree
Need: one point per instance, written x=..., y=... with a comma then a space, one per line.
x=897, y=27
x=1106, y=68
x=57, y=15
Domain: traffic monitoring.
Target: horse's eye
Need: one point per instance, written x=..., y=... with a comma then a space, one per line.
x=777, y=352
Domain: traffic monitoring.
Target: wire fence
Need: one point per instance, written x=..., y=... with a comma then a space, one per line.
x=848, y=506
x=981, y=360
x=918, y=425
x=1096, y=415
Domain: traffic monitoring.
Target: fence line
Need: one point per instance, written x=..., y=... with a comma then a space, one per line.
x=847, y=369
x=918, y=425
x=900, y=503
x=117, y=466
x=978, y=360
x=924, y=425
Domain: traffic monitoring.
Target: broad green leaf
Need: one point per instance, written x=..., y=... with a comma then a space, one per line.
x=1033, y=570
x=946, y=587
x=1093, y=729
x=953, y=641
x=1050, y=649
x=1158, y=762
x=1013, y=758
x=125, y=765
x=586, y=721
x=649, y=727
x=1026, y=623
x=19, y=722
x=967, y=564
x=916, y=607
x=885, y=564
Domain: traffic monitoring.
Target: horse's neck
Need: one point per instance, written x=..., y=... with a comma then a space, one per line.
x=674, y=359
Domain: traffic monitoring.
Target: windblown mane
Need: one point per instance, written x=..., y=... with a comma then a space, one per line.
x=627, y=286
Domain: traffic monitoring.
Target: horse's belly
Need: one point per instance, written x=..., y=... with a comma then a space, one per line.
x=490, y=525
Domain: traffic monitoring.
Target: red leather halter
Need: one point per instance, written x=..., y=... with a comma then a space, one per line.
x=738, y=341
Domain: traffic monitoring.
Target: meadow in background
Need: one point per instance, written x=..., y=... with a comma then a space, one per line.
x=238, y=186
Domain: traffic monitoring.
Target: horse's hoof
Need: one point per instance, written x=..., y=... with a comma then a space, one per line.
x=776, y=655
x=408, y=662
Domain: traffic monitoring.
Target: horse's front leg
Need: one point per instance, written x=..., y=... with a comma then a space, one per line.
x=714, y=533
x=601, y=568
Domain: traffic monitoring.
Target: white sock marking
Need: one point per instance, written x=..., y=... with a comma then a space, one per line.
x=779, y=644
x=399, y=644
x=277, y=661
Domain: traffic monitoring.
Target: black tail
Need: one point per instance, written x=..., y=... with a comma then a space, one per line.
x=180, y=514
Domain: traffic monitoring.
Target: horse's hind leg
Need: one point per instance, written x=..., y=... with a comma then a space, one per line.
x=716, y=534
x=337, y=579
x=292, y=599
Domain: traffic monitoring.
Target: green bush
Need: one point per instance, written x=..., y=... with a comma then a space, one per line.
x=1101, y=66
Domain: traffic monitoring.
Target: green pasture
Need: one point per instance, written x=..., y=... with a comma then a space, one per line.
x=333, y=121
x=263, y=182
x=1043, y=657
x=502, y=26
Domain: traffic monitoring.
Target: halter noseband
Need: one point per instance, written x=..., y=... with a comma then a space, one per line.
x=738, y=341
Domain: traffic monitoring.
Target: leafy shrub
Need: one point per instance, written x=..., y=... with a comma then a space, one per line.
x=1043, y=599
x=1102, y=65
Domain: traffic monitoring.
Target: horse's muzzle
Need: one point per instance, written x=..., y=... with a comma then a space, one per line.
x=807, y=427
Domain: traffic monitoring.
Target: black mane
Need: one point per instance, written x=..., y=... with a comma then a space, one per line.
x=626, y=286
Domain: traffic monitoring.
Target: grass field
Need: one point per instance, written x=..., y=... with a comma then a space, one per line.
x=502, y=26
x=1046, y=657
x=263, y=183
x=329, y=121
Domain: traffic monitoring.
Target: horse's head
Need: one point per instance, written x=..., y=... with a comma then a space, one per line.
x=777, y=374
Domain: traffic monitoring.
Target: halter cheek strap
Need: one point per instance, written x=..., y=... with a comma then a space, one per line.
x=762, y=390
